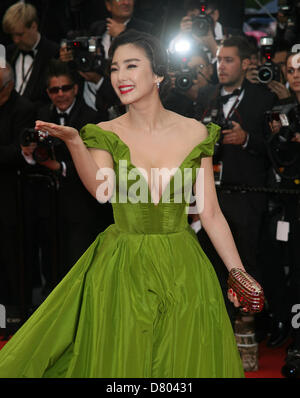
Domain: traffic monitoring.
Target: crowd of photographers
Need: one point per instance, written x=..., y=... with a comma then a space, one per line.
x=250, y=89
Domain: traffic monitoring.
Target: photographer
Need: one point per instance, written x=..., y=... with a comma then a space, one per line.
x=63, y=220
x=241, y=158
x=201, y=24
x=85, y=56
x=16, y=113
x=271, y=70
x=281, y=242
x=193, y=8
x=187, y=78
x=97, y=90
x=288, y=18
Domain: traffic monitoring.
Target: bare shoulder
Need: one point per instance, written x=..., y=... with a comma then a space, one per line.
x=112, y=125
x=192, y=128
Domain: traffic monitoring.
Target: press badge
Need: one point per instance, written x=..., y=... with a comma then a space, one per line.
x=283, y=229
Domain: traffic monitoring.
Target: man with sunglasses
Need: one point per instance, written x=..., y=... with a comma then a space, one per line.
x=79, y=216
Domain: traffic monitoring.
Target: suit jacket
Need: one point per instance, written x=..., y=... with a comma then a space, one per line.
x=243, y=165
x=15, y=115
x=99, y=27
x=36, y=87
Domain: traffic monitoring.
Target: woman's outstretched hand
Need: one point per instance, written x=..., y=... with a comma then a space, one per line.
x=65, y=133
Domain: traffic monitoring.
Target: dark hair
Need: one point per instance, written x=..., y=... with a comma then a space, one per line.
x=58, y=68
x=290, y=54
x=241, y=43
x=155, y=52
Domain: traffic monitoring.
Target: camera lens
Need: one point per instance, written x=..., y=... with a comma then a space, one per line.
x=200, y=27
x=184, y=82
x=265, y=74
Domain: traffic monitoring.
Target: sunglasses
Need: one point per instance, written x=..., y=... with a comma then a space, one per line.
x=65, y=88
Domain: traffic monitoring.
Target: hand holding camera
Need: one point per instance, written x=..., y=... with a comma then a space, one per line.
x=234, y=136
x=279, y=89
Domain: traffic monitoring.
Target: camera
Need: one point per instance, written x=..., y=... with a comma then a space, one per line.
x=202, y=23
x=289, y=118
x=178, y=64
x=269, y=70
x=283, y=152
x=88, y=53
x=45, y=143
x=184, y=75
x=217, y=117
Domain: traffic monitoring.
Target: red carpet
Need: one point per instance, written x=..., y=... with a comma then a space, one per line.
x=271, y=361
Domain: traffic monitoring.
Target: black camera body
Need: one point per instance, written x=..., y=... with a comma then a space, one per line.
x=45, y=143
x=217, y=117
x=269, y=70
x=283, y=152
x=202, y=23
x=184, y=75
x=88, y=53
x=289, y=118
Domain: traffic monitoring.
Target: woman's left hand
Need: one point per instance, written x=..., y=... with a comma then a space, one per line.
x=233, y=298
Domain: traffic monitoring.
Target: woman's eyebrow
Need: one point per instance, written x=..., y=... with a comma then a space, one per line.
x=127, y=61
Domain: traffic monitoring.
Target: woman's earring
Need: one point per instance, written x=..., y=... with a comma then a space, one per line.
x=158, y=84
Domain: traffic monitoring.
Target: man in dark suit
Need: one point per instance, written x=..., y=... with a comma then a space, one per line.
x=30, y=53
x=16, y=113
x=240, y=157
x=67, y=217
x=121, y=19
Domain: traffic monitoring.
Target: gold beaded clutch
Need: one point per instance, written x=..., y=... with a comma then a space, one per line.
x=249, y=292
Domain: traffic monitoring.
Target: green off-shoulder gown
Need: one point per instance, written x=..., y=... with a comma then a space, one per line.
x=142, y=301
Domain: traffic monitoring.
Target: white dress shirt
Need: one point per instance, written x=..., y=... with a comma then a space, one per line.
x=26, y=62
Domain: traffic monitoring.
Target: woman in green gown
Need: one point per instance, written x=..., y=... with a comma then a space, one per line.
x=143, y=300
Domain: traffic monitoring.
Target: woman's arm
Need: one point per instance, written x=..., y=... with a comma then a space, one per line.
x=88, y=162
x=214, y=222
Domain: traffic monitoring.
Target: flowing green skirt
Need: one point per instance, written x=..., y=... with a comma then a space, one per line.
x=134, y=305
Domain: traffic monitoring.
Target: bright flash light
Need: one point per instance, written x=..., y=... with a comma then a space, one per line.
x=182, y=46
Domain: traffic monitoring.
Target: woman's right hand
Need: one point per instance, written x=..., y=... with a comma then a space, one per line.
x=64, y=133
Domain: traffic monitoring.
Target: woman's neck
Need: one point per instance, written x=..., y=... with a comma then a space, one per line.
x=148, y=116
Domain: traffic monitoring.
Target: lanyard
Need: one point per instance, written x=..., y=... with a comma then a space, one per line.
x=26, y=75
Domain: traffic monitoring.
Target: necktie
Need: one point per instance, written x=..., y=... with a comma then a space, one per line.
x=225, y=98
x=63, y=116
x=31, y=53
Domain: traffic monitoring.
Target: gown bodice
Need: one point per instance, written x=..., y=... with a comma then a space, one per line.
x=135, y=209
